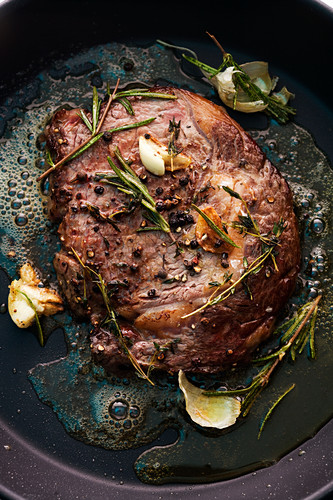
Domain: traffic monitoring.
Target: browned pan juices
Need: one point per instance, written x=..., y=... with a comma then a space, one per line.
x=118, y=413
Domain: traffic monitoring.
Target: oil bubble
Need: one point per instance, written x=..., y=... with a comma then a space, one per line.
x=22, y=160
x=317, y=225
x=119, y=409
x=16, y=204
x=21, y=220
x=134, y=411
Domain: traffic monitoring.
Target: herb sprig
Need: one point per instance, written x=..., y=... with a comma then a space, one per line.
x=95, y=125
x=275, y=108
x=296, y=332
x=111, y=318
x=39, y=326
x=129, y=183
x=268, y=250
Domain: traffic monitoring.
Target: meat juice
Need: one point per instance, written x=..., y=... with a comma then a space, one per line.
x=122, y=412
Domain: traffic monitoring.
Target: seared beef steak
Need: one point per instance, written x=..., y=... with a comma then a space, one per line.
x=154, y=279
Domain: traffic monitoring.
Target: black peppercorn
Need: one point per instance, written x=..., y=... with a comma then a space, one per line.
x=159, y=190
x=160, y=205
x=99, y=189
x=151, y=293
x=184, y=180
x=107, y=136
x=194, y=244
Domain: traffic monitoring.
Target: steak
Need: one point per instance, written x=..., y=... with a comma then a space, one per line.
x=156, y=281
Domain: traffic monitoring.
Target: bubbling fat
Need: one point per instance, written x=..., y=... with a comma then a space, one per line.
x=115, y=412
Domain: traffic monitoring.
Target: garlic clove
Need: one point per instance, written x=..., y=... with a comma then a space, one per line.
x=259, y=75
x=150, y=155
x=213, y=411
x=45, y=301
x=156, y=158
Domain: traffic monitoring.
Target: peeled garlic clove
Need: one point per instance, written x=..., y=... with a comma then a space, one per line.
x=208, y=411
x=156, y=158
x=150, y=155
x=45, y=301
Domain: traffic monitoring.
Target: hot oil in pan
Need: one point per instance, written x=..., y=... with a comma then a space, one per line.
x=116, y=412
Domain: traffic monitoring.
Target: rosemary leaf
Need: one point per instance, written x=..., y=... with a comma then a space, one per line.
x=272, y=408
x=127, y=105
x=86, y=146
x=39, y=326
x=132, y=125
x=203, y=66
x=95, y=110
x=86, y=120
x=144, y=93
x=215, y=228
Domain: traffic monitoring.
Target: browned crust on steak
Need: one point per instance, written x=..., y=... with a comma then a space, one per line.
x=151, y=308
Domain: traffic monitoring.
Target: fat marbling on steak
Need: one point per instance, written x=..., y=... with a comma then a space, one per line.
x=155, y=279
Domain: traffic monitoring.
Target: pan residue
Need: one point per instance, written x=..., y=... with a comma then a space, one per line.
x=125, y=412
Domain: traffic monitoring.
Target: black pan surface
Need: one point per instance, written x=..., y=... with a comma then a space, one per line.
x=38, y=459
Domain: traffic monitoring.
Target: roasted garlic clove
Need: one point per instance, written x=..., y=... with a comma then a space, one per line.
x=21, y=292
x=206, y=236
x=213, y=411
x=156, y=158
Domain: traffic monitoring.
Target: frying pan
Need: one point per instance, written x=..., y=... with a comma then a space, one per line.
x=295, y=36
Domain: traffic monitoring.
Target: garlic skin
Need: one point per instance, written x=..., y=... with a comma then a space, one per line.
x=218, y=412
x=258, y=73
x=156, y=158
x=46, y=302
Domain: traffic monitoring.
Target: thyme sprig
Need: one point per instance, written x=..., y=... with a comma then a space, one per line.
x=300, y=326
x=268, y=250
x=174, y=129
x=129, y=183
x=242, y=80
x=111, y=318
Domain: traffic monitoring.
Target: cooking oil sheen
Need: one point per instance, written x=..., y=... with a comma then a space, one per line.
x=118, y=413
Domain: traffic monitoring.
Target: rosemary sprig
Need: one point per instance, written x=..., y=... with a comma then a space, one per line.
x=128, y=182
x=242, y=80
x=39, y=326
x=111, y=319
x=95, y=136
x=97, y=122
x=305, y=316
x=213, y=226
